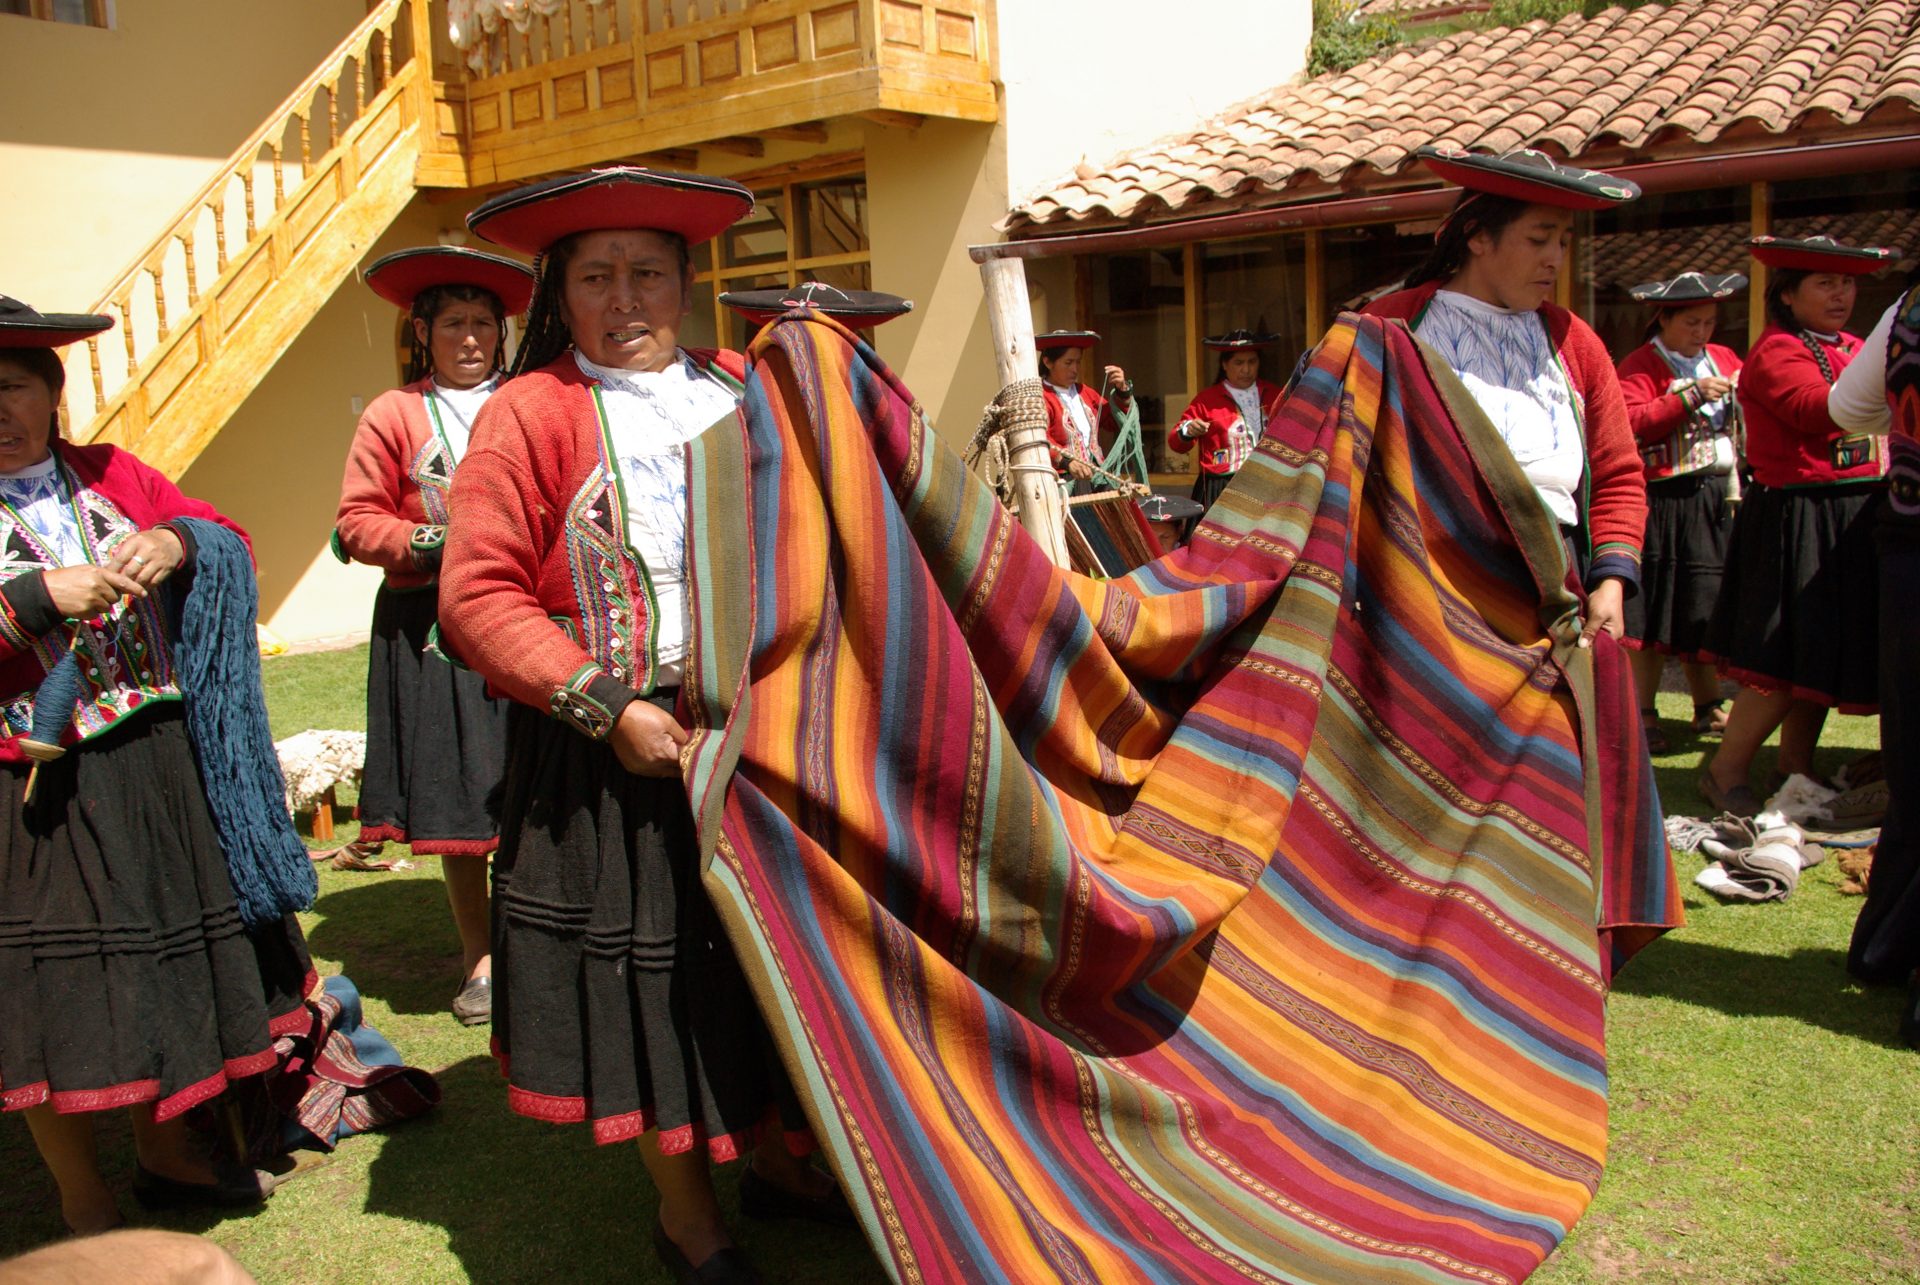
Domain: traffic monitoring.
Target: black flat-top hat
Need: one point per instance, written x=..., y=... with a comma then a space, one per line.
x=529, y=219
x=1236, y=340
x=22, y=326
x=861, y=309
x=1819, y=254
x=1056, y=340
x=1690, y=287
x=1526, y=175
x=1170, y=508
x=401, y=276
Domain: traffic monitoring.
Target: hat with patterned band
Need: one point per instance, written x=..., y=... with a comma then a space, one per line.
x=1526, y=175
x=400, y=277
x=1689, y=287
x=861, y=309
x=21, y=326
x=1238, y=340
x=622, y=197
x=1819, y=254
x=1057, y=340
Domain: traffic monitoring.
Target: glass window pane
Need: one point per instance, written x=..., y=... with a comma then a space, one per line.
x=1657, y=237
x=1364, y=263
x=1261, y=285
x=74, y=11
x=24, y=8
x=1138, y=306
x=836, y=218
x=761, y=237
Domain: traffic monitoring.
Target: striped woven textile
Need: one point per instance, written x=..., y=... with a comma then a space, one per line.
x=1247, y=918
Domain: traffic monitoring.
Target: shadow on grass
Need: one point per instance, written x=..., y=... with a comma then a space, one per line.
x=394, y=935
x=1809, y=984
x=526, y=1201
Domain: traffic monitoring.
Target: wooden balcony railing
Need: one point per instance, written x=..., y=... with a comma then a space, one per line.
x=595, y=80
x=201, y=285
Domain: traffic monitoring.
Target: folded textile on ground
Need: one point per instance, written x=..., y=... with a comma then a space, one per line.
x=1249, y=917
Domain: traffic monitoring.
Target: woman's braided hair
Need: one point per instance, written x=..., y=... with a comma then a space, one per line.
x=547, y=335
x=427, y=306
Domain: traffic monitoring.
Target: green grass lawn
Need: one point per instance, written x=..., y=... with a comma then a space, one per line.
x=1766, y=1123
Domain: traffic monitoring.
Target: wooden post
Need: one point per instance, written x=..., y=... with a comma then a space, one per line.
x=1193, y=290
x=1762, y=224
x=1316, y=283
x=1040, y=506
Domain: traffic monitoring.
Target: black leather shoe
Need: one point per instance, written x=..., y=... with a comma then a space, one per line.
x=762, y=1199
x=474, y=1004
x=237, y=1188
x=729, y=1266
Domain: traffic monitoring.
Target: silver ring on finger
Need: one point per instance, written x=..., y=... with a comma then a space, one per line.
x=138, y=560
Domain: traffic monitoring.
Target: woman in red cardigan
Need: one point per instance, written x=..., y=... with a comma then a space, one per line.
x=1077, y=416
x=1540, y=373
x=128, y=977
x=1226, y=418
x=618, y=1000
x=1798, y=615
x=436, y=745
x=1679, y=393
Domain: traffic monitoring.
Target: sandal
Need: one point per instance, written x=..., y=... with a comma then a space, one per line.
x=1741, y=801
x=1709, y=718
x=1657, y=742
x=357, y=855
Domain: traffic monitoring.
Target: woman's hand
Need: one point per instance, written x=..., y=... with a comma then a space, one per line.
x=148, y=557
x=1077, y=467
x=80, y=592
x=647, y=740
x=1713, y=387
x=1606, y=609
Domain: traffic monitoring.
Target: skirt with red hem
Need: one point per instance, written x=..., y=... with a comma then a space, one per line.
x=1682, y=563
x=1799, y=608
x=126, y=973
x=436, y=742
x=617, y=1000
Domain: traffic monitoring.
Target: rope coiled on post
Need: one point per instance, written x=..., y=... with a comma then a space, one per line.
x=1021, y=404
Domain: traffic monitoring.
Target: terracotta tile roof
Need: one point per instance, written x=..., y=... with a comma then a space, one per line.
x=1695, y=72
x=1624, y=259
x=1416, y=11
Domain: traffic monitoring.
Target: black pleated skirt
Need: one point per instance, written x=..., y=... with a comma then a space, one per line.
x=1207, y=487
x=1886, y=937
x=617, y=998
x=1681, y=565
x=436, y=744
x=1799, y=607
x=126, y=973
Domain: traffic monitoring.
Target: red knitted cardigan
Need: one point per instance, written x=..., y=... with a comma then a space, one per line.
x=1658, y=417
x=393, y=498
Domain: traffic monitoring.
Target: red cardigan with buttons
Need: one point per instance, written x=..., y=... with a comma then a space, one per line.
x=1615, y=508
x=384, y=520
x=1791, y=440
x=1656, y=415
x=1214, y=406
x=536, y=523
x=1061, y=441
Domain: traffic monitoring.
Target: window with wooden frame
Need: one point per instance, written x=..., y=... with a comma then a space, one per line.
x=810, y=226
x=77, y=13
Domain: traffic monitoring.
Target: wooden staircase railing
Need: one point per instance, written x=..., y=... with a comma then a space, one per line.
x=286, y=217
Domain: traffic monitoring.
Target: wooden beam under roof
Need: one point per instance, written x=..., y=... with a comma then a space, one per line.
x=736, y=145
x=894, y=120
x=673, y=158
x=807, y=132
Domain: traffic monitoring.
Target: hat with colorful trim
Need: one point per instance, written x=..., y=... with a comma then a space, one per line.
x=1526, y=175
x=1059, y=340
x=1690, y=287
x=401, y=276
x=529, y=219
x=1819, y=254
x=22, y=326
x=861, y=309
x=1235, y=340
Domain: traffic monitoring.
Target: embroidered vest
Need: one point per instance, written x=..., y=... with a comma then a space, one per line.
x=1903, y=397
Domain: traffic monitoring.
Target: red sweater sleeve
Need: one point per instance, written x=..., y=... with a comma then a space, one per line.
x=507, y=509
x=372, y=524
x=1791, y=389
x=1653, y=413
x=1616, y=515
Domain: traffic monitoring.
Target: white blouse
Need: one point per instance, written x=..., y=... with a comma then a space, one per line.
x=1858, y=399
x=456, y=410
x=1074, y=412
x=1506, y=360
x=1248, y=400
x=651, y=416
x=39, y=495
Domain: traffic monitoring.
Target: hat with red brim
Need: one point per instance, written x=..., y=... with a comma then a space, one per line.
x=530, y=219
x=1238, y=340
x=1526, y=175
x=401, y=276
x=21, y=326
x=1055, y=340
x=1689, y=287
x=1819, y=254
x=862, y=309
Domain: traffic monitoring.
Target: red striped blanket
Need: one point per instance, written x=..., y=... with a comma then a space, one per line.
x=1247, y=918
